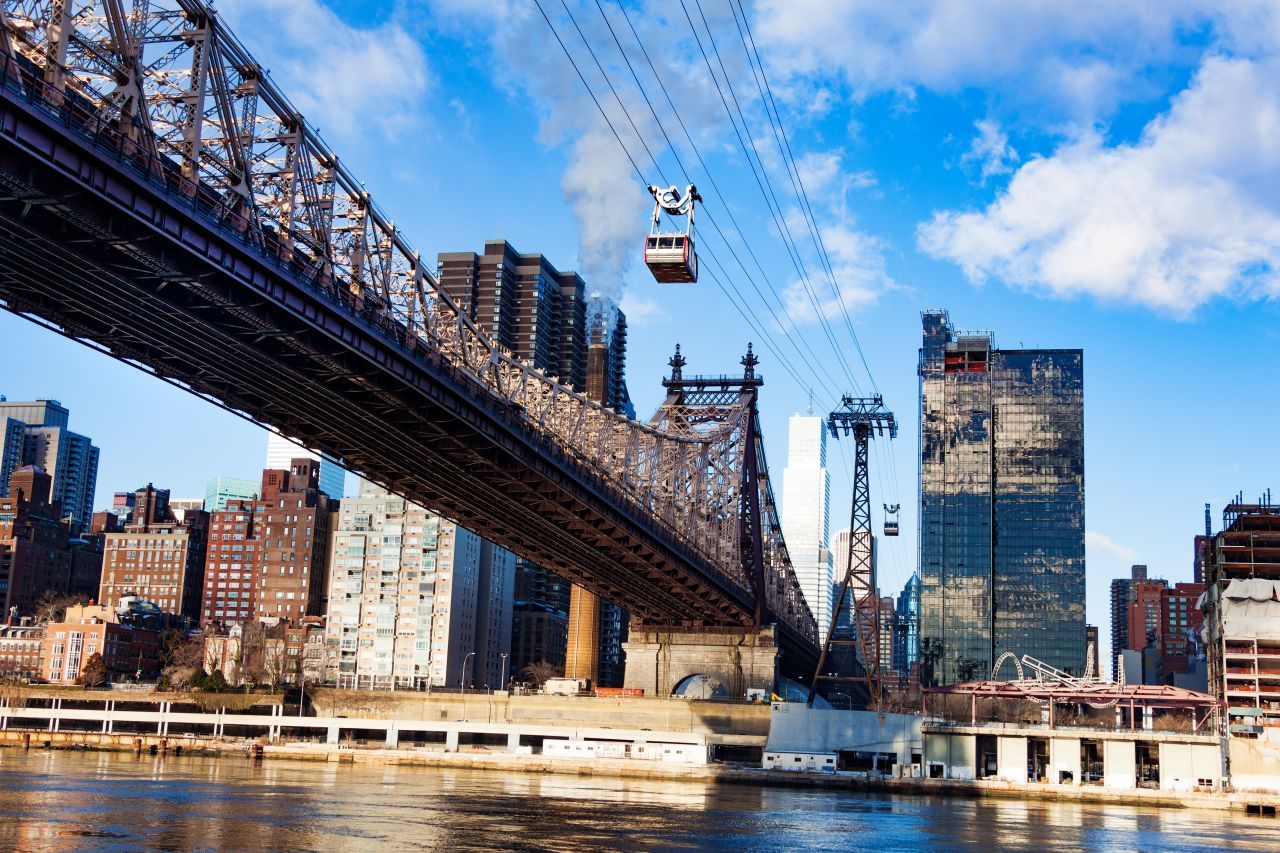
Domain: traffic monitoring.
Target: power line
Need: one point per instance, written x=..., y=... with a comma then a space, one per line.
x=587, y=86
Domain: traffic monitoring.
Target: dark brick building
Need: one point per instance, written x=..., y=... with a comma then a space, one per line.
x=38, y=554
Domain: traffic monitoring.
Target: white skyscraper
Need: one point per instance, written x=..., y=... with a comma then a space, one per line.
x=280, y=450
x=806, y=500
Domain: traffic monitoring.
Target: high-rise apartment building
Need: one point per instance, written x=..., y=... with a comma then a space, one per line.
x=280, y=455
x=806, y=503
x=1001, y=546
x=38, y=553
x=220, y=490
x=525, y=304
x=231, y=574
x=544, y=317
x=415, y=600
x=294, y=524
x=157, y=557
x=1144, y=613
x=1180, y=627
x=35, y=433
x=1120, y=597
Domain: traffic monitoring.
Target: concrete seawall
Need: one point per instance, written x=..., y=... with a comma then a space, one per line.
x=240, y=749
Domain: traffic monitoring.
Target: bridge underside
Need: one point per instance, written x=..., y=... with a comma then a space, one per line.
x=100, y=253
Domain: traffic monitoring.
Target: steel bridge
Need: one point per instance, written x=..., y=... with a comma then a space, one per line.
x=162, y=201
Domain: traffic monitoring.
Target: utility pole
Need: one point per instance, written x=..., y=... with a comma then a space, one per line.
x=861, y=417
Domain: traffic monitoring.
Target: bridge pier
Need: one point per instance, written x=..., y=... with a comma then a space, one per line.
x=660, y=658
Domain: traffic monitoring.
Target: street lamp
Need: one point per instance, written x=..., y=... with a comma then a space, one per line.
x=503, y=681
x=848, y=700
x=465, y=658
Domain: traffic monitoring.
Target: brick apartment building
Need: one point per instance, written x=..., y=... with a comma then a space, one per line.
x=38, y=553
x=231, y=570
x=127, y=643
x=157, y=556
x=20, y=651
x=293, y=567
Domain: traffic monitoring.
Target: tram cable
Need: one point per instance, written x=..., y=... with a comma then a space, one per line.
x=780, y=135
x=783, y=326
x=767, y=338
x=764, y=184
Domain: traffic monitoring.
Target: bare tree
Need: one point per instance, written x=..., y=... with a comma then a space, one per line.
x=52, y=607
x=180, y=656
x=275, y=662
x=538, y=673
x=13, y=695
x=251, y=663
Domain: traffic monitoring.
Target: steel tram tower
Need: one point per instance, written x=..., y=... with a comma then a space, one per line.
x=862, y=417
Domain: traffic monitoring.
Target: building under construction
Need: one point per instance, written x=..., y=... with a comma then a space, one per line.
x=1242, y=616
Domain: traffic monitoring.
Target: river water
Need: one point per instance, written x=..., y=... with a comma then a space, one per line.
x=53, y=801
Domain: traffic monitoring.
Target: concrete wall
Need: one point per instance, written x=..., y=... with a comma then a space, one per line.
x=1119, y=764
x=1011, y=758
x=958, y=753
x=657, y=661
x=723, y=718
x=1255, y=762
x=798, y=729
x=1064, y=757
x=1184, y=765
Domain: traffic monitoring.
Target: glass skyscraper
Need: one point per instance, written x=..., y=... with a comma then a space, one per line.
x=906, y=642
x=806, y=501
x=1001, y=547
x=219, y=490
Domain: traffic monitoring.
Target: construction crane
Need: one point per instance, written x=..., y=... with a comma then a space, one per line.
x=670, y=254
x=863, y=418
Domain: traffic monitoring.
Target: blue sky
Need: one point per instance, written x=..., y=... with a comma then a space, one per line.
x=1102, y=175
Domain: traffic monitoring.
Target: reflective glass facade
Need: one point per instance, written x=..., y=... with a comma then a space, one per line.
x=1001, y=504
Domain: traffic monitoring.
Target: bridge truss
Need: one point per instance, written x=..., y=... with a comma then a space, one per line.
x=165, y=168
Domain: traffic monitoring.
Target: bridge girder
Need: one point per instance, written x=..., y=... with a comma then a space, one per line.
x=162, y=201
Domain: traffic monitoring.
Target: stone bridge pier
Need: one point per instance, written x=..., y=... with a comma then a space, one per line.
x=660, y=658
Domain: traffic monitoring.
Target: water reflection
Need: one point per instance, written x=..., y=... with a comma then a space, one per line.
x=108, y=801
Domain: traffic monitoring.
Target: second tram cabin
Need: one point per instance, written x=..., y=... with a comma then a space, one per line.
x=671, y=258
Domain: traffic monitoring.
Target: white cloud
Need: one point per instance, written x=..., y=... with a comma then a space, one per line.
x=1082, y=57
x=818, y=170
x=857, y=261
x=642, y=312
x=991, y=151
x=1098, y=546
x=1188, y=213
x=344, y=79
